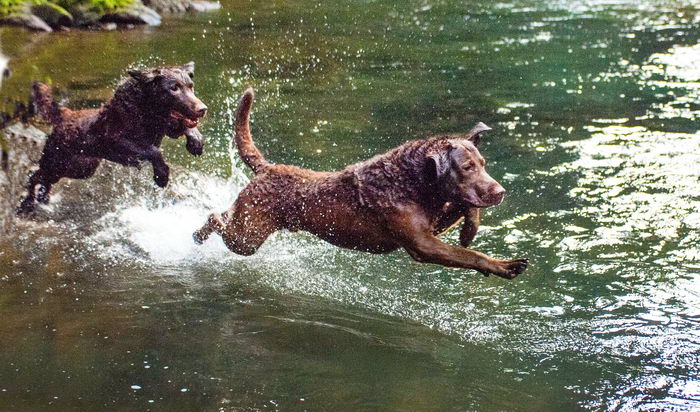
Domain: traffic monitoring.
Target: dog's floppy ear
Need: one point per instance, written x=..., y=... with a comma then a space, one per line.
x=437, y=165
x=474, y=135
x=144, y=76
x=138, y=75
x=189, y=69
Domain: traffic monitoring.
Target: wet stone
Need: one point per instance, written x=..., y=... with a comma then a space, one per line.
x=136, y=13
x=52, y=15
x=22, y=145
x=27, y=20
x=182, y=6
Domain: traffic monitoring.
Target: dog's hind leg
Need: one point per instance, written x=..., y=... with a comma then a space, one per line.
x=28, y=203
x=81, y=167
x=214, y=224
x=43, y=193
x=44, y=180
x=243, y=231
x=247, y=229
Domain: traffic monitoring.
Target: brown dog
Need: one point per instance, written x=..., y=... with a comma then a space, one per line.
x=402, y=198
x=128, y=129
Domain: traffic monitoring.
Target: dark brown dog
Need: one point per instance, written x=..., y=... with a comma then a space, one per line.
x=128, y=129
x=402, y=198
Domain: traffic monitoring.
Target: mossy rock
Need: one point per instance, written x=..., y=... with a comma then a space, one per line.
x=203, y=6
x=181, y=6
x=25, y=19
x=53, y=15
x=85, y=15
x=43, y=15
x=136, y=13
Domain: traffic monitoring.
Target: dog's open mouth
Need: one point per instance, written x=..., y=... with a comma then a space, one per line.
x=189, y=123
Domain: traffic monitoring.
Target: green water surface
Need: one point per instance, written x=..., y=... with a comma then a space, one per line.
x=105, y=303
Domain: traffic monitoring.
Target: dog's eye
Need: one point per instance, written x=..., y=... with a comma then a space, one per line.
x=174, y=88
x=468, y=166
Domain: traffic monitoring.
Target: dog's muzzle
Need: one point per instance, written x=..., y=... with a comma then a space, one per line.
x=188, y=122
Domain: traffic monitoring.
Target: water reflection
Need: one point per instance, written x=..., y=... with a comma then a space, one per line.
x=594, y=107
x=640, y=185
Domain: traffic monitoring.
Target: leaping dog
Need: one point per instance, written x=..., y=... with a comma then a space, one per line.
x=403, y=198
x=128, y=129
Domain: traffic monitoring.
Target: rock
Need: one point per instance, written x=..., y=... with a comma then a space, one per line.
x=27, y=20
x=4, y=67
x=53, y=15
x=22, y=151
x=199, y=6
x=167, y=6
x=181, y=6
x=135, y=13
x=108, y=26
x=49, y=16
x=85, y=16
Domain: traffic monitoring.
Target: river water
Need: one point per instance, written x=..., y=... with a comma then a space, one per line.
x=105, y=303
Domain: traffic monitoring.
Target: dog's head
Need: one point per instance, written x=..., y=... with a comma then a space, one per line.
x=171, y=90
x=458, y=170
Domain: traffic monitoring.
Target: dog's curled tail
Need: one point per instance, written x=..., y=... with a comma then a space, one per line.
x=244, y=141
x=45, y=105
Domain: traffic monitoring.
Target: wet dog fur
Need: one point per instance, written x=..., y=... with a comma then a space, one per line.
x=128, y=129
x=403, y=198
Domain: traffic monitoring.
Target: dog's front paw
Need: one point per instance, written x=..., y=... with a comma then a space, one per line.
x=509, y=269
x=162, y=176
x=195, y=147
x=195, y=142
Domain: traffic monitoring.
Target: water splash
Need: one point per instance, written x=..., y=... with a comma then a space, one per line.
x=163, y=232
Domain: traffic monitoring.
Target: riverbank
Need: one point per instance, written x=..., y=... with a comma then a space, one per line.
x=106, y=302
x=47, y=16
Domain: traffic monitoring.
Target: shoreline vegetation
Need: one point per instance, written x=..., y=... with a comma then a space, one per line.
x=52, y=15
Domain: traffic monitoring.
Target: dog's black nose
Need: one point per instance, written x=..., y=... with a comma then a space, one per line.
x=497, y=195
x=202, y=110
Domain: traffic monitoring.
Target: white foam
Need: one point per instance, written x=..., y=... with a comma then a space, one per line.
x=163, y=229
x=165, y=233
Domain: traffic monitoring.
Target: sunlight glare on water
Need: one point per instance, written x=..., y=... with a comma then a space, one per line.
x=594, y=108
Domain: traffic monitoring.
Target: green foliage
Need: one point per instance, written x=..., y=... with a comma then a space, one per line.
x=8, y=7
x=107, y=5
x=101, y=6
x=52, y=5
